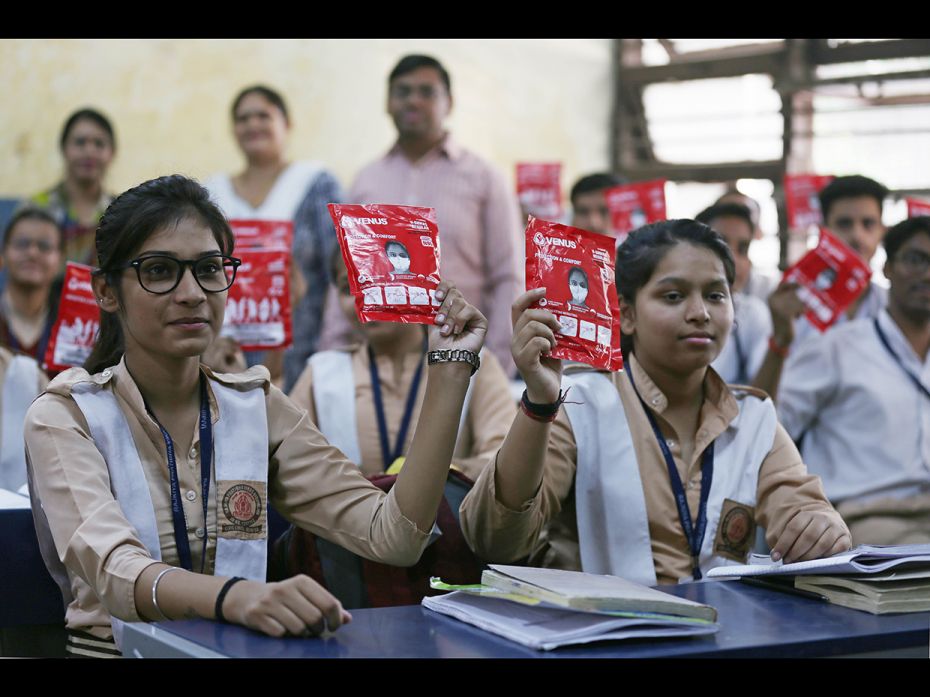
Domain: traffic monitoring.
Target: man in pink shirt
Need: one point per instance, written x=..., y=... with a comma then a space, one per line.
x=479, y=219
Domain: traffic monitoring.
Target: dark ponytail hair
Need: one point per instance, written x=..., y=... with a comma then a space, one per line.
x=644, y=248
x=128, y=222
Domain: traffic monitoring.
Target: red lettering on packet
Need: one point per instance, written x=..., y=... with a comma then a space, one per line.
x=258, y=305
x=576, y=267
x=802, y=202
x=392, y=254
x=831, y=277
x=75, y=329
x=539, y=188
x=633, y=205
x=917, y=207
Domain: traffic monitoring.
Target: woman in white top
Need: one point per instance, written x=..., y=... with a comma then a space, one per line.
x=273, y=188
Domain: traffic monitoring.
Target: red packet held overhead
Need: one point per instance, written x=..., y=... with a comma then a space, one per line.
x=917, y=207
x=831, y=277
x=633, y=205
x=576, y=267
x=538, y=188
x=78, y=321
x=392, y=254
x=802, y=202
x=258, y=306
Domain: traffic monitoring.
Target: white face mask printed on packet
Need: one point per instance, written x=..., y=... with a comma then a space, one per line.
x=399, y=259
x=579, y=290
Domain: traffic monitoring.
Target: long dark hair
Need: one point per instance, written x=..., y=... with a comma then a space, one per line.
x=128, y=222
x=645, y=247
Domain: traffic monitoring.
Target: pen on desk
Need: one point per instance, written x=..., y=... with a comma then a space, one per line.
x=783, y=587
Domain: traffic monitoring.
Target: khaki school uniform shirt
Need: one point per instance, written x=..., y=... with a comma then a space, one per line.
x=545, y=527
x=309, y=481
x=487, y=421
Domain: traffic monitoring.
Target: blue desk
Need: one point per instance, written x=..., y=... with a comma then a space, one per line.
x=30, y=596
x=755, y=622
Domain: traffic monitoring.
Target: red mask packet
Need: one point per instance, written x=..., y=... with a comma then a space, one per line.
x=392, y=254
x=258, y=306
x=801, y=201
x=916, y=207
x=538, y=188
x=78, y=322
x=576, y=267
x=831, y=276
x=633, y=205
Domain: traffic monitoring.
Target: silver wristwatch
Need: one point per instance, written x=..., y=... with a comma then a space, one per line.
x=452, y=355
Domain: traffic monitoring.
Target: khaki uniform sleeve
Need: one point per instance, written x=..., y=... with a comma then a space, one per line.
x=786, y=488
x=490, y=413
x=314, y=486
x=302, y=393
x=92, y=537
x=501, y=535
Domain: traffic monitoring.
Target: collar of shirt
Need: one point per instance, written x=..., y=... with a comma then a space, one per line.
x=900, y=344
x=717, y=412
x=447, y=147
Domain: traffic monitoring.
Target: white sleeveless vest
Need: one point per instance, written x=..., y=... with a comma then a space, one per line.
x=613, y=527
x=20, y=387
x=334, y=399
x=240, y=445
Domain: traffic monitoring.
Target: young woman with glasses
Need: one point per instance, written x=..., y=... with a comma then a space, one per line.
x=151, y=474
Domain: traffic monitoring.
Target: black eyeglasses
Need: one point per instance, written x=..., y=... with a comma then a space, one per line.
x=914, y=261
x=161, y=274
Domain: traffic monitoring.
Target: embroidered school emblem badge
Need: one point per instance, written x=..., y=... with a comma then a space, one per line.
x=736, y=531
x=243, y=509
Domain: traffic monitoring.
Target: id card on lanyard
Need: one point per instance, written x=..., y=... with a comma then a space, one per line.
x=694, y=532
x=206, y=458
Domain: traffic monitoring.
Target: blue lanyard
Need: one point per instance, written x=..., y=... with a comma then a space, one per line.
x=206, y=458
x=388, y=455
x=694, y=533
x=916, y=380
x=741, y=377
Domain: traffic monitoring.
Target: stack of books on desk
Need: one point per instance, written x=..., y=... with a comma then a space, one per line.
x=875, y=578
x=548, y=608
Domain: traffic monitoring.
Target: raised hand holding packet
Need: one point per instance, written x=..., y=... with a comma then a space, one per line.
x=392, y=254
x=576, y=267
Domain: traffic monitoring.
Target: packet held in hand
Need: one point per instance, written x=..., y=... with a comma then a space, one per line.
x=576, y=267
x=78, y=321
x=802, y=202
x=538, y=188
x=633, y=205
x=831, y=276
x=392, y=254
x=258, y=306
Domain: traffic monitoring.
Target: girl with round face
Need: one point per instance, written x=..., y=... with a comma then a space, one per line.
x=578, y=286
x=31, y=259
x=398, y=255
x=666, y=412
x=272, y=187
x=165, y=268
x=88, y=145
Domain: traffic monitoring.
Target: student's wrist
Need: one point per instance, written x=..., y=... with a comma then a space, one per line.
x=779, y=345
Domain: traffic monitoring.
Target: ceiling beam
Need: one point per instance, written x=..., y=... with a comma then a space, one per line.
x=715, y=172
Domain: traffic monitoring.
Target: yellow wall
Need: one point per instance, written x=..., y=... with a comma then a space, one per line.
x=529, y=99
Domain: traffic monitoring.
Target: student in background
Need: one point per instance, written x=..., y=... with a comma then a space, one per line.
x=32, y=260
x=749, y=280
x=21, y=380
x=589, y=487
x=337, y=390
x=742, y=356
x=271, y=187
x=589, y=204
x=478, y=215
x=150, y=475
x=858, y=399
x=852, y=210
x=88, y=144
